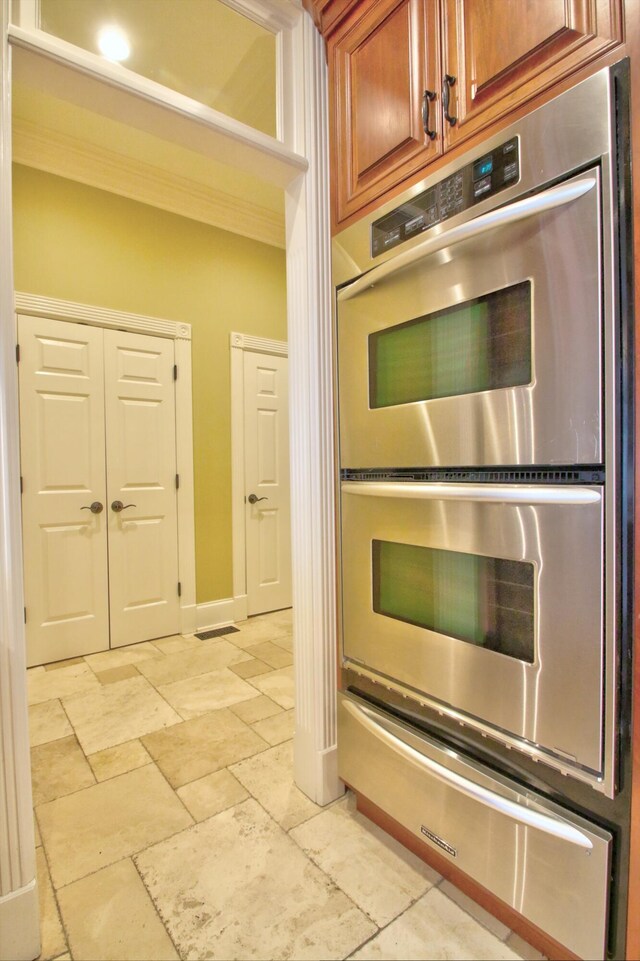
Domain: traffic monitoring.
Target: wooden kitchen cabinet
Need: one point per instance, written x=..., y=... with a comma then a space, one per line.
x=472, y=62
x=384, y=67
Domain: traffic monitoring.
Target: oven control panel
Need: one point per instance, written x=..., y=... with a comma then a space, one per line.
x=488, y=175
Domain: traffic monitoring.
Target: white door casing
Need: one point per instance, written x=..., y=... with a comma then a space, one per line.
x=141, y=476
x=62, y=448
x=266, y=447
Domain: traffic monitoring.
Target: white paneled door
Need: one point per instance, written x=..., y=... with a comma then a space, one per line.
x=97, y=416
x=266, y=444
x=141, y=481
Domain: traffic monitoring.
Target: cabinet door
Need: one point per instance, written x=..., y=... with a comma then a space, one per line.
x=504, y=52
x=381, y=63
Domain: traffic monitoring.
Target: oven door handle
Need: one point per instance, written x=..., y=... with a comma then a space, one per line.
x=491, y=493
x=511, y=214
x=518, y=812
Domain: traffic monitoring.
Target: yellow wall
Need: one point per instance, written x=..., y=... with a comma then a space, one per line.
x=81, y=244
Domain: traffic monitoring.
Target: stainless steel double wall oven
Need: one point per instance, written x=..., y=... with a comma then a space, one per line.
x=484, y=438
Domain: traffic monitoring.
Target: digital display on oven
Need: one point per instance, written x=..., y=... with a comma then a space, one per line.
x=476, y=181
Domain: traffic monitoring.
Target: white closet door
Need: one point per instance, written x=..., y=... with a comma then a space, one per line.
x=141, y=476
x=63, y=443
x=266, y=444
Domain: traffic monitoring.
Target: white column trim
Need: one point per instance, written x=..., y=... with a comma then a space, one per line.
x=311, y=419
x=238, y=343
x=19, y=929
x=30, y=304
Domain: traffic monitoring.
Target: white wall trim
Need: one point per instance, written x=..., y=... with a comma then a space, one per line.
x=37, y=306
x=18, y=889
x=104, y=317
x=87, y=79
x=66, y=156
x=221, y=613
x=239, y=343
x=311, y=419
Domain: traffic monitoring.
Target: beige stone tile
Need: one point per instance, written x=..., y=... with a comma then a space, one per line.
x=471, y=907
x=235, y=886
x=210, y=656
x=48, y=722
x=171, y=645
x=250, y=668
x=279, y=686
x=36, y=831
x=206, y=692
x=35, y=670
x=58, y=768
x=256, y=630
x=435, y=928
x=115, y=674
x=381, y=876
x=276, y=657
x=276, y=729
x=109, y=916
x=212, y=794
x=118, y=760
x=188, y=751
x=56, y=665
x=269, y=778
x=48, y=685
x=116, y=713
x=523, y=949
x=256, y=709
x=51, y=933
x=88, y=830
x=283, y=618
x=286, y=642
x=134, y=654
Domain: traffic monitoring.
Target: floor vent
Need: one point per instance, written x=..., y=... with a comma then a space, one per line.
x=218, y=632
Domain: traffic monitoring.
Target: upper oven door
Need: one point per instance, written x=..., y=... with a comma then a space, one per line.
x=480, y=346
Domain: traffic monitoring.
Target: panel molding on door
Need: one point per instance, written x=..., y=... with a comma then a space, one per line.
x=62, y=457
x=141, y=483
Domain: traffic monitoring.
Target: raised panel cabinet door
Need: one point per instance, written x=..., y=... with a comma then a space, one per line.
x=141, y=486
x=267, y=499
x=383, y=69
x=498, y=54
x=63, y=469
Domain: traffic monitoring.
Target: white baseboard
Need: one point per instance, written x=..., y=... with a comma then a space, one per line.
x=20, y=925
x=221, y=613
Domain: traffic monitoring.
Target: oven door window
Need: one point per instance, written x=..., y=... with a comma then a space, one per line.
x=485, y=601
x=482, y=344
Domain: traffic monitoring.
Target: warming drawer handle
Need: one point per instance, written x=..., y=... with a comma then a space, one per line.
x=542, y=822
x=511, y=214
x=489, y=493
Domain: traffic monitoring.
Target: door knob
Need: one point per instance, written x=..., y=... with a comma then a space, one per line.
x=118, y=506
x=95, y=508
x=253, y=498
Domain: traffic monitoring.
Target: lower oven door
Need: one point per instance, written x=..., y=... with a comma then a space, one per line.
x=487, y=599
x=545, y=862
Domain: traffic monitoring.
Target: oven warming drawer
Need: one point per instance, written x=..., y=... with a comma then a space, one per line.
x=547, y=863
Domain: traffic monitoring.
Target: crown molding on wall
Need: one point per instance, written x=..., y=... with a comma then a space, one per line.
x=66, y=156
x=262, y=345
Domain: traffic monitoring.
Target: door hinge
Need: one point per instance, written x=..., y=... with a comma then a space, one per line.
x=177, y=481
x=25, y=615
x=21, y=484
x=175, y=371
x=17, y=353
x=179, y=589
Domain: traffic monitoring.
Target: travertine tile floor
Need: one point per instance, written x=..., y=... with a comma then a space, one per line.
x=168, y=824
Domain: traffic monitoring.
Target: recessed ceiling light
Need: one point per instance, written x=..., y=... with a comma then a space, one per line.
x=113, y=44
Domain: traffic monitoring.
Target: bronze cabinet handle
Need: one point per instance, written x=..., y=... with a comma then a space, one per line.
x=427, y=96
x=447, y=82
